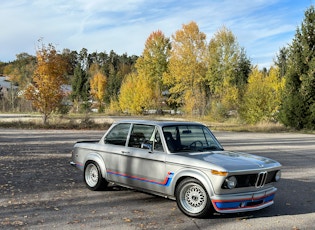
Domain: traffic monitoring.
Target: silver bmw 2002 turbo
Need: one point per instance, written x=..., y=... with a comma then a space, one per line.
x=178, y=160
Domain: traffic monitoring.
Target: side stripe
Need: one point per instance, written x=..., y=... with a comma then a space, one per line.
x=166, y=181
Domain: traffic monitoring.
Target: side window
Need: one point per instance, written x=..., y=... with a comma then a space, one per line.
x=158, y=143
x=118, y=135
x=140, y=135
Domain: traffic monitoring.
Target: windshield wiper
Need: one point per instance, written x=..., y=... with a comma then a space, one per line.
x=213, y=148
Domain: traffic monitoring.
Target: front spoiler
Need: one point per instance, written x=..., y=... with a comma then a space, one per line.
x=244, y=202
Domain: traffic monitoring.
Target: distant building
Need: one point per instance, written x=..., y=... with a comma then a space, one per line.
x=6, y=86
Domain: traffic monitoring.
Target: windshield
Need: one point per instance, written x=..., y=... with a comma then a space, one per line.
x=188, y=138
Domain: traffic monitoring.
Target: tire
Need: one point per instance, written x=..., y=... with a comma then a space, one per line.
x=192, y=198
x=93, y=177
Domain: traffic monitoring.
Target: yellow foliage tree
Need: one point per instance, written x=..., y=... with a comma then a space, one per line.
x=276, y=86
x=114, y=107
x=45, y=91
x=263, y=96
x=127, y=92
x=152, y=64
x=143, y=90
x=135, y=94
x=225, y=80
x=186, y=72
x=98, y=85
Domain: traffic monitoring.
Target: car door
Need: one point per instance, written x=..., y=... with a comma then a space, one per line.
x=113, y=152
x=145, y=159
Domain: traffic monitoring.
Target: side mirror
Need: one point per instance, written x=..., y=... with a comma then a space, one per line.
x=146, y=146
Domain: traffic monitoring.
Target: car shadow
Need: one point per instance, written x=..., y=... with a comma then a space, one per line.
x=293, y=197
x=114, y=187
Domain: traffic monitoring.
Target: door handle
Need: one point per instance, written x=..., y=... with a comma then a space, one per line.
x=125, y=152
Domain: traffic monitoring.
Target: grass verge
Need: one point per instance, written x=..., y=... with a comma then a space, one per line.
x=104, y=122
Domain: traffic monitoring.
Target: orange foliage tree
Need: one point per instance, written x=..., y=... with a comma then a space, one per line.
x=45, y=91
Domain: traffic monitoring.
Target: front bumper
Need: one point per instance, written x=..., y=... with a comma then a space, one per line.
x=243, y=202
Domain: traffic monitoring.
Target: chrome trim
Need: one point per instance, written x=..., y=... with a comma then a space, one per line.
x=73, y=164
x=261, y=179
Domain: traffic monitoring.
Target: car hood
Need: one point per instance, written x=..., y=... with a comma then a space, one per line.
x=234, y=161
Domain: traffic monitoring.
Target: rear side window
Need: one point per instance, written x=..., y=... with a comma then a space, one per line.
x=118, y=135
x=141, y=134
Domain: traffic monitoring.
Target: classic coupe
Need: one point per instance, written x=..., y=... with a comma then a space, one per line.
x=182, y=161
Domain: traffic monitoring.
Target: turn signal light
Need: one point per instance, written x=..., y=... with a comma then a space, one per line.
x=219, y=173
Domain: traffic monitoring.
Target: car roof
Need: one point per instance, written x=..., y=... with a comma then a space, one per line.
x=161, y=123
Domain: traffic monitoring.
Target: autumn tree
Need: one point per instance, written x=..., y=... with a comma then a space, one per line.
x=21, y=70
x=126, y=95
x=45, y=91
x=142, y=90
x=298, y=104
x=152, y=64
x=227, y=71
x=135, y=94
x=262, y=97
x=275, y=82
x=97, y=89
x=186, y=70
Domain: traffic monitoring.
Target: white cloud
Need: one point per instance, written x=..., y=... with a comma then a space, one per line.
x=262, y=27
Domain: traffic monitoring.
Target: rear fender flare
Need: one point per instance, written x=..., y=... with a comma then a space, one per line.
x=99, y=160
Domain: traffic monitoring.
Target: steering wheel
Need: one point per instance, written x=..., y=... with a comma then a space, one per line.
x=194, y=144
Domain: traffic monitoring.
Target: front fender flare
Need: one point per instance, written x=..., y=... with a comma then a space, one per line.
x=193, y=173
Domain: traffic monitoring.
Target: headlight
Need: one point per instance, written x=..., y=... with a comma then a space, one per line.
x=231, y=182
x=278, y=176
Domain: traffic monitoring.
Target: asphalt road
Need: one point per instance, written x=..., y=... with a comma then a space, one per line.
x=40, y=190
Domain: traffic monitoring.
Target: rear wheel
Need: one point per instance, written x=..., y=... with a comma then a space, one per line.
x=192, y=198
x=93, y=177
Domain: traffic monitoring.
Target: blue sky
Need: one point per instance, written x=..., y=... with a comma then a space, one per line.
x=262, y=27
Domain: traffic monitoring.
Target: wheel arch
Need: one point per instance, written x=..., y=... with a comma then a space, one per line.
x=95, y=157
x=192, y=173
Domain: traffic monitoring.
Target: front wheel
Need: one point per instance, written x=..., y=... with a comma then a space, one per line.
x=192, y=198
x=93, y=177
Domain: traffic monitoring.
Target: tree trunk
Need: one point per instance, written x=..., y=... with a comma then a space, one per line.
x=45, y=119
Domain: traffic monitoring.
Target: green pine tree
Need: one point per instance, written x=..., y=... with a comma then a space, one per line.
x=298, y=104
x=80, y=88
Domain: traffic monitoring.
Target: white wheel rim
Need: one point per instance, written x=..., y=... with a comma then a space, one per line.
x=193, y=198
x=91, y=175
